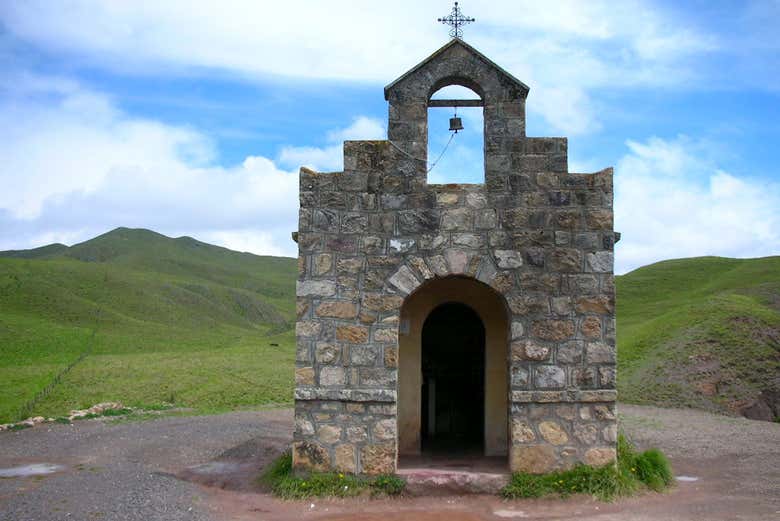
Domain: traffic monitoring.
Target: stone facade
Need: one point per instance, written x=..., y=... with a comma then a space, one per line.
x=540, y=236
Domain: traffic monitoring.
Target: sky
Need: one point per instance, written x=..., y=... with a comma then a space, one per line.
x=192, y=118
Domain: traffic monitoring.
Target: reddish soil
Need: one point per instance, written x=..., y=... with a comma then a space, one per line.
x=736, y=463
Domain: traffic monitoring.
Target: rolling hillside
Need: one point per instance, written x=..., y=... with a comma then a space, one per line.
x=702, y=332
x=149, y=319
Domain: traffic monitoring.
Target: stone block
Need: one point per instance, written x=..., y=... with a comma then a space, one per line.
x=517, y=329
x=405, y=280
x=332, y=375
x=585, y=433
x=329, y=434
x=327, y=353
x=467, y=240
x=377, y=377
x=534, y=459
x=566, y=260
x=381, y=303
x=508, y=259
x=459, y=219
x=447, y=199
x=522, y=432
x=553, y=433
x=599, y=353
x=352, y=334
x=357, y=434
x=304, y=376
x=349, y=265
x=303, y=427
x=344, y=458
x=553, y=329
x=457, y=260
x=315, y=288
x=363, y=355
x=549, y=377
x=529, y=350
x=591, y=327
x=570, y=352
x=600, y=304
x=599, y=262
x=378, y=458
x=391, y=357
x=485, y=220
x=386, y=335
x=337, y=309
x=598, y=457
x=310, y=456
x=384, y=430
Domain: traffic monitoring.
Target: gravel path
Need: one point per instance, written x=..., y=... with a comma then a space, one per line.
x=123, y=471
x=127, y=471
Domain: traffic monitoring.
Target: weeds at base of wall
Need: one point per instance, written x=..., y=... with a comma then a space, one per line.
x=283, y=483
x=634, y=471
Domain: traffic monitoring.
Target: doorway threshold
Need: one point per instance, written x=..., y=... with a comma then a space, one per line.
x=444, y=475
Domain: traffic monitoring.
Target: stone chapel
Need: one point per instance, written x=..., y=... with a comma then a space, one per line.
x=472, y=320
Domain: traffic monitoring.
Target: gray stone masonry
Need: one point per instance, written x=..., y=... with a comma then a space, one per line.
x=539, y=236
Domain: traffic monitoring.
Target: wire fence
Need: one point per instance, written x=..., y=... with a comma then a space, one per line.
x=26, y=410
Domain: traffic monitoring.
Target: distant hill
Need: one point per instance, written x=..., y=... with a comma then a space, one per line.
x=702, y=332
x=50, y=250
x=161, y=318
x=149, y=318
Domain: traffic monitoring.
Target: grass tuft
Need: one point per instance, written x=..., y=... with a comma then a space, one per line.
x=633, y=471
x=284, y=484
x=117, y=412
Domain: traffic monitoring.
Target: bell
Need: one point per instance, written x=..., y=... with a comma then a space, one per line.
x=456, y=124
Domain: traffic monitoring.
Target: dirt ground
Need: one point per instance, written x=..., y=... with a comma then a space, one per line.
x=203, y=468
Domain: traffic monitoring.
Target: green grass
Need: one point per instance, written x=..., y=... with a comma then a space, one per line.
x=701, y=332
x=649, y=469
x=161, y=320
x=176, y=320
x=279, y=477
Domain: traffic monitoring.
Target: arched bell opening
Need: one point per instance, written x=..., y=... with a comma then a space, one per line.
x=453, y=373
x=456, y=133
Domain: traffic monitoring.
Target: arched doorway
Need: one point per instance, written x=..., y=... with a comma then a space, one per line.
x=453, y=380
x=455, y=330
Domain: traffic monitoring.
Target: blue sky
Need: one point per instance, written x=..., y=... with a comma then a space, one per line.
x=192, y=119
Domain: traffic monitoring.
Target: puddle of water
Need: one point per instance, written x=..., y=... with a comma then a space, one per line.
x=36, y=469
x=510, y=513
x=686, y=479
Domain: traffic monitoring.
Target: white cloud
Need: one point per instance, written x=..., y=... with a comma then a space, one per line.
x=76, y=166
x=584, y=45
x=672, y=201
x=331, y=157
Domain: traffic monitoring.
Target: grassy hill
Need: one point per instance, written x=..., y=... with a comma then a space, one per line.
x=147, y=318
x=701, y=332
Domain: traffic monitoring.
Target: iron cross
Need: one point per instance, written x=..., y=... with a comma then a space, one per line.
x=456, y=20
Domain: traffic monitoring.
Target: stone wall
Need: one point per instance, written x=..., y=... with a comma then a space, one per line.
x=539, y=236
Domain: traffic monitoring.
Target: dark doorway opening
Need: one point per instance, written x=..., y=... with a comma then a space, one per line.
x=453, y=391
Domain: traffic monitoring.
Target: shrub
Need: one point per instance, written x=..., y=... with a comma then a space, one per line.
x=650, y=469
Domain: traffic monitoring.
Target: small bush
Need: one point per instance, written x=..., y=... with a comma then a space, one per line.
x=650, y=468
x=279, y=477
x=388, y=484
